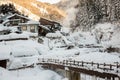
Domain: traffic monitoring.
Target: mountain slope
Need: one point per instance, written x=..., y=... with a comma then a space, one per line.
x=35, y=9
x=88, y=13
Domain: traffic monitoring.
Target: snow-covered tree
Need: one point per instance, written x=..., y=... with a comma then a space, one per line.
x=103, y=32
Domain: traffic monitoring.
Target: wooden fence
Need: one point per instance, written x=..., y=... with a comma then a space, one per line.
x=82, y=64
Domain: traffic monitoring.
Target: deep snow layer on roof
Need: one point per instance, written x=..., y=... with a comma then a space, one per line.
x=21, y=48
x=13, y=36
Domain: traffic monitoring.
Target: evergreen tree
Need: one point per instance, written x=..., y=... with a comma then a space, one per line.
x=8, y=8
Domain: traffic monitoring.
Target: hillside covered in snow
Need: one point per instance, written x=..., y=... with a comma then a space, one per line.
x=86, y=47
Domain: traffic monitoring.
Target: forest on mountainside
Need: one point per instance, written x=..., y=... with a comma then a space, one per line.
x=91, y=12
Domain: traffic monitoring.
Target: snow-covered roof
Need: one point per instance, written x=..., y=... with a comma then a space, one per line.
x=30, y=22
x=98, y=58
x=20, y=48
x=44, y=27
x=28, y=74
x=4, y=52
x=13, y=36
x=7, y=16
x=54, y=35
x=10, y=20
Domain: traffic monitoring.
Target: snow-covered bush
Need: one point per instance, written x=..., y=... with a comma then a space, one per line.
x=115, y=38
x=103, y=32
x=108, y=35
x=83, y=38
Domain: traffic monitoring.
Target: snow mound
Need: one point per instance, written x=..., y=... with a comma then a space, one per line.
x=107, y=34
x=13, y=36
x=98, y=58
x=82, y=38
x=49, y=75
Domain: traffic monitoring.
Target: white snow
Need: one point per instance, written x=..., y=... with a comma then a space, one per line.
x=4, y=52
x=27, y=52
x=30, y=22
x=107, y=34
x=13, y=36
x=98, y=57
x=30, y=34
x=82, y=38
x=29, y=74
x=45, y=27
x=21, y=48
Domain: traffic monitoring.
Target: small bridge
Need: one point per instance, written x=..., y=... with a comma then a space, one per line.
x=74, y=68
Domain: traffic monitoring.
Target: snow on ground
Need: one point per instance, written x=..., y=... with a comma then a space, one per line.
x=29, y=74
x=98, y=57
x=30, y=34
x=107, y=34
x=28, y=51
x=82, y=38
x=4, y=52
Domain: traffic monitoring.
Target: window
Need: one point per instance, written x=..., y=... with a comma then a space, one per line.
x=24, y=28
x=32, y=29
x=15, y=23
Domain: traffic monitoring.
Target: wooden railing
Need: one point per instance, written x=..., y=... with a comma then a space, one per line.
x=113, y=68
x=102, y=67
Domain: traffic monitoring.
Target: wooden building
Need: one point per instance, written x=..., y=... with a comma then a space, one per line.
x=21, y=22
x=47, y=26
x=30, y=26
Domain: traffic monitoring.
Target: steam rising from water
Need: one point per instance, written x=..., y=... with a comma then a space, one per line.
x=71, y=11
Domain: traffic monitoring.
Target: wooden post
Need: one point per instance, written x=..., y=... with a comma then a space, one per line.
x=71, y=75
x=76, y=76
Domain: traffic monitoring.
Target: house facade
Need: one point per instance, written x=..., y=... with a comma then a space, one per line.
x=30, y=26
x=22, y=23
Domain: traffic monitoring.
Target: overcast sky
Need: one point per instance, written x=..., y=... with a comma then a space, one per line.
x=50, y=1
